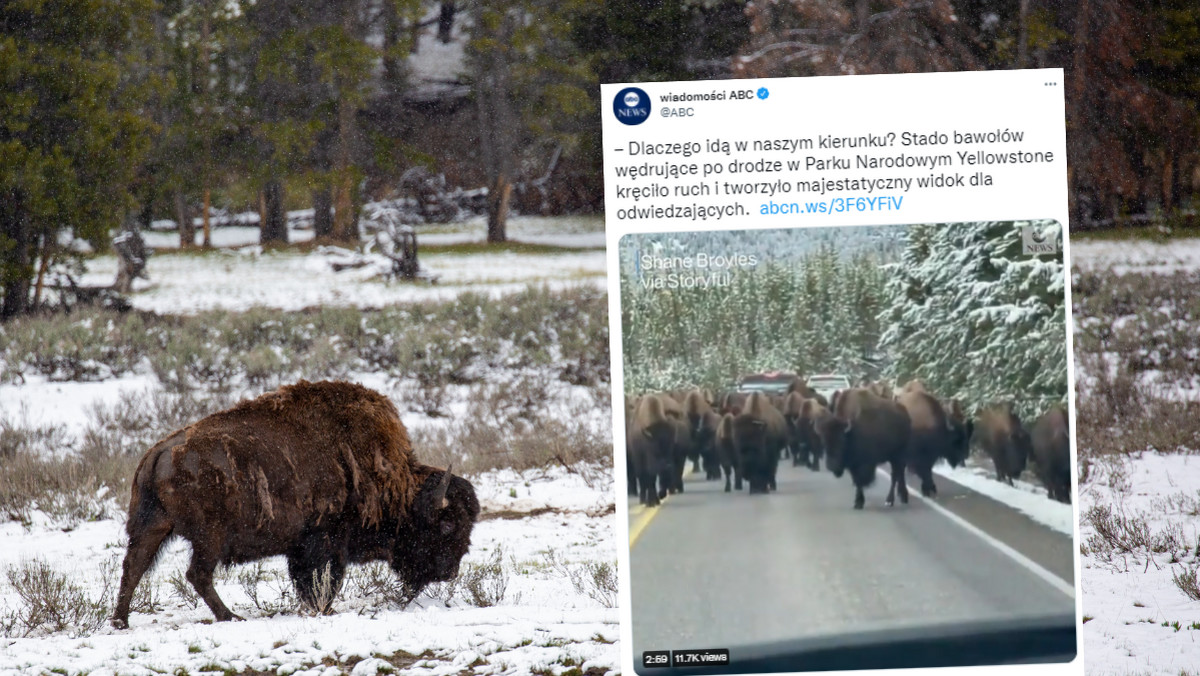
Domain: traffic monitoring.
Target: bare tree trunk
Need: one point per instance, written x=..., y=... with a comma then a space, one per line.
x=18, y=266
x=207, y=216
x=391, y=37
x=445, y=23
x=1077, y=106
x=1023, y=34
x=43, y=267
x=498, y=199
x=499, y=127
x=187, y=228
x=322, y=213
x=343, y=211
x=275, y=227
x=207, y=168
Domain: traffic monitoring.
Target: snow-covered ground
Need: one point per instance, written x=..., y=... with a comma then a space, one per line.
x=1026, y=497
x=1137, y=620
x=552, y=526
x=1121, y=256
x=240, y=275
x=563, y=231
x=1139, y=511
x=238, y=280
x=542, y=621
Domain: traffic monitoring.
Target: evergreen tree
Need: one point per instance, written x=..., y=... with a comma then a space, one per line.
x=976, y=319
x=72, y=130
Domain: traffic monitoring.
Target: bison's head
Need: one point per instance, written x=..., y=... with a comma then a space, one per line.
x=960, y=441
x=832, y=433
x=438, y=532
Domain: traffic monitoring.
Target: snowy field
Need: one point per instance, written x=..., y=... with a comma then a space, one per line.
x=1123, y=256
x=1139, y=500
x=538, y=587
x=239, y=275
x=563, y=231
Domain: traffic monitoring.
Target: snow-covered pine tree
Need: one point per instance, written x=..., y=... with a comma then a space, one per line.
x=975, y=318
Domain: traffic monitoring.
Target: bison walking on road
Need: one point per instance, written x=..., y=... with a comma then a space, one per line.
x=1052, y=453
x=759, y=433
x=1004, y=440
x=866, y=431
x=653, y=441
x=320, y=473
x=727, y=454
x=933, y=436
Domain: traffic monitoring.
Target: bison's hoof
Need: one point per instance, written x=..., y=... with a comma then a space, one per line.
x=858, y=505
x=120, y=623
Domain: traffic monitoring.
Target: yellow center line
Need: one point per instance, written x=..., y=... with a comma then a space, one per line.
x=644, y=518
x=645, y=515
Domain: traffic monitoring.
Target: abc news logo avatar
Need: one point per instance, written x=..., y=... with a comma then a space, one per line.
x=631, y=106
x=1036, y=240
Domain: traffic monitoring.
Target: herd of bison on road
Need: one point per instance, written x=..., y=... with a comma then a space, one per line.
x=744, y=435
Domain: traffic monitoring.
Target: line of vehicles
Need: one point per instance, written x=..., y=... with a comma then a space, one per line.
x=741, y=434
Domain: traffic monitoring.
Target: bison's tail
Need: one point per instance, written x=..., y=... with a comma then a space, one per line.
x=146, y=510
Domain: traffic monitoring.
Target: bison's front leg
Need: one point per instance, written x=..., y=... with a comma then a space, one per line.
x=859, y=499
x=317, y=569
x=200, y=574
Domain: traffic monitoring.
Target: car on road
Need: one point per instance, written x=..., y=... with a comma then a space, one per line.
x=771, y=382
x=828, y=383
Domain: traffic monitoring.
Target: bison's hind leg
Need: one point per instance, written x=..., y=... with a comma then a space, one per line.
x=151, y=529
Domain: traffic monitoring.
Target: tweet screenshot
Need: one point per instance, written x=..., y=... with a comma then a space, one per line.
x=842, y=373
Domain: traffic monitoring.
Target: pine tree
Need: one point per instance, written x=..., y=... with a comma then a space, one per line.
x=73, y=130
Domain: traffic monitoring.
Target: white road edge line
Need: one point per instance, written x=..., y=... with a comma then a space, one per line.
x=1048, y=577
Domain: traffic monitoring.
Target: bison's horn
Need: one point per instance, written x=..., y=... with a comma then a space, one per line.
x=439, y=497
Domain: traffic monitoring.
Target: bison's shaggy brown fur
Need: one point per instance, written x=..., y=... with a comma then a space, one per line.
x=321, y=473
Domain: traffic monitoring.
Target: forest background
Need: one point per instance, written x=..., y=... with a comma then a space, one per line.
x=115, y=114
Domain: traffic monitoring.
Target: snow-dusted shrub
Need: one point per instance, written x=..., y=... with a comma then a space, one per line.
x=484, y=584
x=88, y=344
x=69, y=489
x=597, y=580
x=270, y=592
x=50, y=602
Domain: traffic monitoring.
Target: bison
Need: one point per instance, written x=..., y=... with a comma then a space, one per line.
x=759, y=432
x=1004, y=440
x=964, y=429
x=866, y=431
x=727, y=454
x=321, y=473
x=933, y=435
x=732, y=402
x=1051, y=442
x=653, y=441
x=799, y=412
x=702, y=425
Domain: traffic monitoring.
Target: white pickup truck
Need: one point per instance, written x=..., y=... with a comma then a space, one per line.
x=826, y=384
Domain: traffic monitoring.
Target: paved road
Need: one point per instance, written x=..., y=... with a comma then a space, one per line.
x=715, y=570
